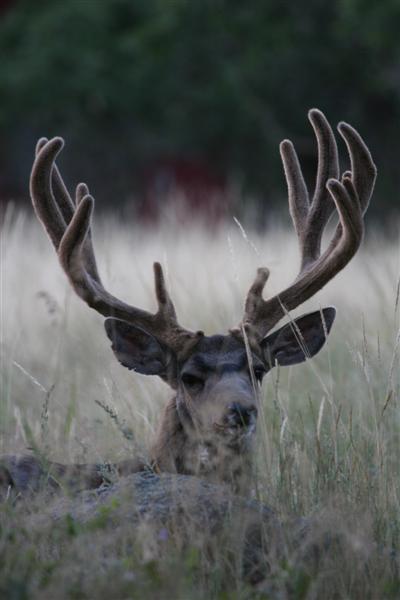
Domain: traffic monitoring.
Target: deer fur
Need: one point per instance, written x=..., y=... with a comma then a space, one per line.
x=208, y=427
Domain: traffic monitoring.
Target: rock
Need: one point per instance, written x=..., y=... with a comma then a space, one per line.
x=188, y=506
x=161, y=497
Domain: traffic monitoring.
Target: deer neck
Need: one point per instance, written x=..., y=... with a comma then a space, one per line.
x=179, y=449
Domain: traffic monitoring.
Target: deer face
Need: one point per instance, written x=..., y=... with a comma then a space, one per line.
x=217, y=382
x=217, y=390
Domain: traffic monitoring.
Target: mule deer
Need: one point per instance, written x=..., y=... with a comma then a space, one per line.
x=208, y=427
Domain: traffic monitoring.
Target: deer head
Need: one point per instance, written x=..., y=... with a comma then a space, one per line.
x=216, y=378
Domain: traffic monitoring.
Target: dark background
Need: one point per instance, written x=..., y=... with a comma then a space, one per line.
x=209, y=87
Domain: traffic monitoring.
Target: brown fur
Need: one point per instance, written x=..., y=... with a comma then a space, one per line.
x=194, y=453
x=208, y=427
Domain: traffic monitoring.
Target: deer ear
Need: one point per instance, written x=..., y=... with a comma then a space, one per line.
x=298, y=340
x=136, y=349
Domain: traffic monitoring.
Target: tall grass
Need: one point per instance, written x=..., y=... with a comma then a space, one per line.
x=329, y=442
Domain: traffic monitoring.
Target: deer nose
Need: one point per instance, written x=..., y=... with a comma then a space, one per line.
x=241, y=416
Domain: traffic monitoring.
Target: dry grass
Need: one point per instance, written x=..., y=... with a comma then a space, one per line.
x=329, y=445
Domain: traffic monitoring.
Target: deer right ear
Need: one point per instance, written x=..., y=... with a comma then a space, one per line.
x=300, y=339
x=136, y=349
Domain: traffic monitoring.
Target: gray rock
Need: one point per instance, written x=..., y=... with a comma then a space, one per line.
x=183, y=504
x=162, y=497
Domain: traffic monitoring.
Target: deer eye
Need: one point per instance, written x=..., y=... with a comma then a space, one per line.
x=259, y=372
x=190, y=380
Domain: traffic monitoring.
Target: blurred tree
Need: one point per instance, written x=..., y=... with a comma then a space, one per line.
x=217, y=80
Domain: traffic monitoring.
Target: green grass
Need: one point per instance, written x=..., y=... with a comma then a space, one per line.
x=328, y=440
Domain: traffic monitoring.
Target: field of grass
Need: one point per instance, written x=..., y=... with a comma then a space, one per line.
x=328, y=446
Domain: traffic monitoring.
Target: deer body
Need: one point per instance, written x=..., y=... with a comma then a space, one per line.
x=208, y=427
x=27, y=474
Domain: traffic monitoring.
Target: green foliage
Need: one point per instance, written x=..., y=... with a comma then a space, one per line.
x=225, y=81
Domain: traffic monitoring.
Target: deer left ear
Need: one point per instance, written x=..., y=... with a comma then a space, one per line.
x=300, y=339
x=135, y=348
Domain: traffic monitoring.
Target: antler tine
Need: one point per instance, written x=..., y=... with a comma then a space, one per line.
x=39, y=144
x=61, y=194
x=350, y=194
x=322, y=205
x=69, y=227
x=299, y=202
x=362, y=173
x=88, y=255
x=41, y=190
x=328, y=162
x=87, y=288
x=363, y=168
x=55, y=196
x=165, y=304
x=310, y=218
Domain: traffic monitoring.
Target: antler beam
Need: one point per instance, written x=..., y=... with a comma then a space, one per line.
x=349, y=195
x=68, y=224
